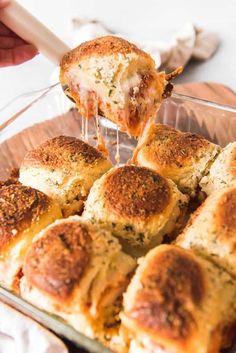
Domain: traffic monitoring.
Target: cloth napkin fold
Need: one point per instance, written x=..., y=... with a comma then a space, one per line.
x=191, y=42
x=20, y=334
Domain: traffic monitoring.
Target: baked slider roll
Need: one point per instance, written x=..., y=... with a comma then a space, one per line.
x=65, y=169
x=114, y=78
x=77, y=272
x=137, y=205
x=211, y=229
x=179, y=302
x=222, y=172
x=181, y=156
x=23, y=213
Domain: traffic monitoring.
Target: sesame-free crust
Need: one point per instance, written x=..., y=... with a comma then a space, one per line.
x=138, y=192
x=56, y=262
x=20, y=207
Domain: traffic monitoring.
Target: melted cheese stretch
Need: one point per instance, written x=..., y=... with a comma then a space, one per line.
x=101, y=140
x=101, y=145
x=113, y=76
x=117, y=156
x=106, y=80
x=127, y=89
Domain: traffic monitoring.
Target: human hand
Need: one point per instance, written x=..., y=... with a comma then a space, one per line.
x=13, y=49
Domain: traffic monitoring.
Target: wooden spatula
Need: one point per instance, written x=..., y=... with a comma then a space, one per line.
x=29, y=28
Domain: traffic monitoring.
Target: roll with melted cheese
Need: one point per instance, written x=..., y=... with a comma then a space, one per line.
x=211, y=229
x=79, y=273
x=23, y=213
x=65, y=169
x=137, y=205
x=179, y=302
x=114, y=78
x=181, y=156
x=222, y=172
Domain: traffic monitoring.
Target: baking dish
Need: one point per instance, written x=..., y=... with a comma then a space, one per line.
x=37, y=116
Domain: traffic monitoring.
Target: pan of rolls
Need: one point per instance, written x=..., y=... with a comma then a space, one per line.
x=138, y=255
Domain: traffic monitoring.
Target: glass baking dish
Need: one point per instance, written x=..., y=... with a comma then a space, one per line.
x=33, y=118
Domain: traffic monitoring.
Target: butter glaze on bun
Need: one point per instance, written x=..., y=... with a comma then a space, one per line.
x=65, y=169
x=181, y=156
x=222, y=173
x=24, y=211
x=78, y=272
x=211, y=229
x=137, y=205
x=178, y=302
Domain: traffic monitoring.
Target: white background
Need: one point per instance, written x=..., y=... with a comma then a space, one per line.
x=144, y=19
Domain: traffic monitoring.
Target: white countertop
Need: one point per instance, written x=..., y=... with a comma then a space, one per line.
x=144, y=19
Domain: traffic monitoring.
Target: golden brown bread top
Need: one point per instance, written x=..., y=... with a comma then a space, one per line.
x=62, y=152
x=20, y=207
x=226, y=214
x=107, y=45
x=56, y=262
x=171, y=284
x=136, y=192
x=182, y=146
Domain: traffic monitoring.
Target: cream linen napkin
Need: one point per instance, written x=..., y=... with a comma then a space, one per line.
x=189, y=43
x=20, y=334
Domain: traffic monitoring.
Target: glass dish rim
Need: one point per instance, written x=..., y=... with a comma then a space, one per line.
x=51, y=322
x=56, y=324
x=37, y=95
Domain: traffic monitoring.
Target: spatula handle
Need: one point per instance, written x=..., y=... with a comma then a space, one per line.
x=28, y=27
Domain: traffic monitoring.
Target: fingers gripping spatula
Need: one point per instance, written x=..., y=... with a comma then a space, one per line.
x=29, y=28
